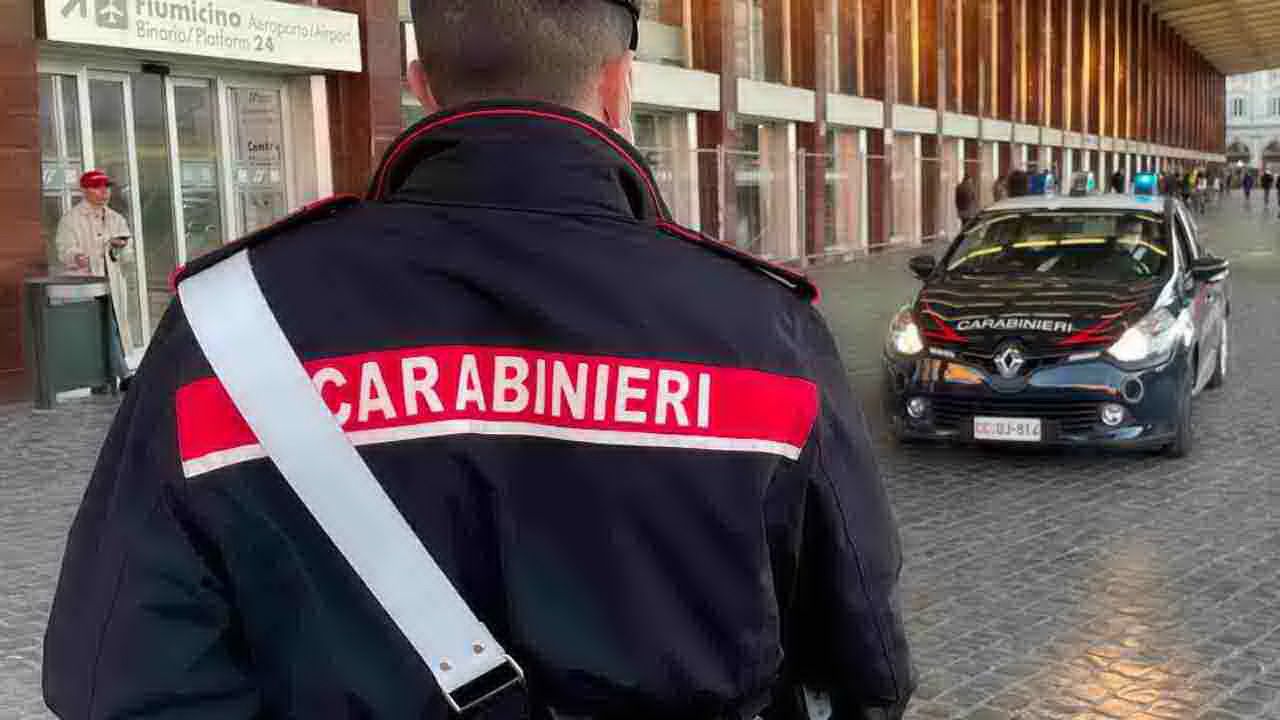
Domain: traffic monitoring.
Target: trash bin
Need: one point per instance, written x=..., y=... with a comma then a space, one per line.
x=68, y=321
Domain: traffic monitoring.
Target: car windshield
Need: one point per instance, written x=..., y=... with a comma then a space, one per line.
x=1107, y=245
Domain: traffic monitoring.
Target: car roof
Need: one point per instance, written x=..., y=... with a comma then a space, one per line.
x=1109, y=201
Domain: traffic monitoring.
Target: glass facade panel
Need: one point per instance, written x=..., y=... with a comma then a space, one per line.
x=751, y=183
x=258, y=171
x=48, y=128
x=74, y=146
x=61, y=154
x=157, y=241
x=195, y=110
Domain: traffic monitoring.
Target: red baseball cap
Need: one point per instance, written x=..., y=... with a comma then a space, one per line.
x=95, y=179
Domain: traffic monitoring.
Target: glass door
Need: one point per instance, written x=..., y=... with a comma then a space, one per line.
x=114, y=151
x=61, y=154
x=256, y=122
x=193, y=127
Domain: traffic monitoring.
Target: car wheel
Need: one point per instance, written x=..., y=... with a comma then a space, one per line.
x=1183, y=438
x=1224, y=356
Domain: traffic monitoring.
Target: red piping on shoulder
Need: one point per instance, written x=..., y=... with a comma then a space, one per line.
x=784, y=272
x=173, y=277
x=381, y=179
x=318, y=204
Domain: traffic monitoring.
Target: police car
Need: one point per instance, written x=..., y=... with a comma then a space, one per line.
x=1063, y=320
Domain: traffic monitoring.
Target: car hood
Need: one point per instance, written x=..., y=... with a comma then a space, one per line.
x=1045, y=315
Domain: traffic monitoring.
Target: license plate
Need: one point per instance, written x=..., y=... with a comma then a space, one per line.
x=1007, y=429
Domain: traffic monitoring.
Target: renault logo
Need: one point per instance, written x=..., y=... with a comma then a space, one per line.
x=1009, y=361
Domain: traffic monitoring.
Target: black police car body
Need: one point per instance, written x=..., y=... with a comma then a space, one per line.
x=1063, y=321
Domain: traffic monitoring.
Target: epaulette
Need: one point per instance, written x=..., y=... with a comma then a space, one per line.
x=318, y=210
x=791, y=279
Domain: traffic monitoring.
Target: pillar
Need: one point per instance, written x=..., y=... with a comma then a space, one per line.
x=22, y=253
x=364, y=108
x=879, y=81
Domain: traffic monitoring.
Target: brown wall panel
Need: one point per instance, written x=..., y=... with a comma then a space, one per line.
x=905, y=25
x=1103, y=99
x=930, y=187
x=953, y=30
x=364, y=108
x=877, y=186
x=803, y=39
x=22, y=251
x=928, y=53
x=1058, y=95
x=775, y=59
x=875, y=17
x=1006, y=75
x=1077, y=64
x=707, y=35
x=710, y=134
x=845, y=38
x=1034, y=83
x=970, y=18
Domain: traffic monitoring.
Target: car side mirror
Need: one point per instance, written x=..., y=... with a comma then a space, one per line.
x=922, y=266
x=1210, y=269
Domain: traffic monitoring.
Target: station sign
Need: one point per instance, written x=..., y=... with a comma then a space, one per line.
x=260, y=31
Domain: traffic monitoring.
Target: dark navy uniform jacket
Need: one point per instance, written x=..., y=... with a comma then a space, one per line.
x=632, y=449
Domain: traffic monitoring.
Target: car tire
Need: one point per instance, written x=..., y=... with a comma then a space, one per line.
x=1184, y=437
x=1224, y=357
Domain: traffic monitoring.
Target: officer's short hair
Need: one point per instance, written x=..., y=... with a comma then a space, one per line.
x=544, y=50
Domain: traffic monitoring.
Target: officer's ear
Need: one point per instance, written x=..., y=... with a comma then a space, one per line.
x=615, y=93
x=420, y=86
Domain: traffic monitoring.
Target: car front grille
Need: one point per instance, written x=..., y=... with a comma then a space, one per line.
x=987, y=361
x=1070, y=418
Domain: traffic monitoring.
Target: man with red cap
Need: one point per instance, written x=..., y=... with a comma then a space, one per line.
x=93, y=239
x=90, y=231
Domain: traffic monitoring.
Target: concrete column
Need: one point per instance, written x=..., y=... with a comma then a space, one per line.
x=22, y=253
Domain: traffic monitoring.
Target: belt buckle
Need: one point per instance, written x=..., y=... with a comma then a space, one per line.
x=475, y=693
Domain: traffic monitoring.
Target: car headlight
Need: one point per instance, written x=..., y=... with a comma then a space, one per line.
x=904, y=334
x=1152, y=338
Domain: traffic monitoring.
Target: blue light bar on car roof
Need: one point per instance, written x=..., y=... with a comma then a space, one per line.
x=1146, y=184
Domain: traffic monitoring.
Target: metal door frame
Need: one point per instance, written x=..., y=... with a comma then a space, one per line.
x=135, y=180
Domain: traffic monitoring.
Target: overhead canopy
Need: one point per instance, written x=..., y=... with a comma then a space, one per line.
x=1236, y=36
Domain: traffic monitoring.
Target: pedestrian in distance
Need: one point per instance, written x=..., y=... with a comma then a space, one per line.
x=966, y=199
x=1268, y=182
x=1247, y=185
x=92, y=239
x=1117, y=181
x=500, y=439
x=1019, y=183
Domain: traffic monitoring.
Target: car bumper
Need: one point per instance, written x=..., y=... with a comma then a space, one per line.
x=1066, y=398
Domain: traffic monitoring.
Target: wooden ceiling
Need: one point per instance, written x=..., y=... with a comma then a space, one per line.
x=1236, y=36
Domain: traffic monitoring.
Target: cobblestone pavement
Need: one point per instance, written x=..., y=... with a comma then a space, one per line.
x=1037, y=584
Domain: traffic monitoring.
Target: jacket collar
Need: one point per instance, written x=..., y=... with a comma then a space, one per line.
x=524, y=156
